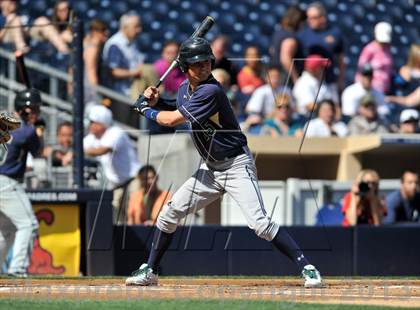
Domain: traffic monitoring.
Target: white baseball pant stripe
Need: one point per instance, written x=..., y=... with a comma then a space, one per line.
x=236, y=177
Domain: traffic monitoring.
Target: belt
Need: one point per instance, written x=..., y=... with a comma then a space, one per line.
x=231, y=154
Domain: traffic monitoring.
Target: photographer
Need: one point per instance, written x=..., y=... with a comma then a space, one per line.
x=363, y=205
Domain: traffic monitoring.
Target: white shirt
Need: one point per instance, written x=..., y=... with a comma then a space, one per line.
x=121, y=163
x=318, y=128
x=263, y=99
x=353, y=93
x=306, y=88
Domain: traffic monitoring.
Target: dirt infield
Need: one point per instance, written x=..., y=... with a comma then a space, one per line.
x=389, y=292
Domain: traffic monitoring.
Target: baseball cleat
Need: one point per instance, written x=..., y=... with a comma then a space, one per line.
x=312, y=277
x=143, y=276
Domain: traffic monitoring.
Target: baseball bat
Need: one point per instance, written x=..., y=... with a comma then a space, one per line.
x=21, y=69
x=200, y=32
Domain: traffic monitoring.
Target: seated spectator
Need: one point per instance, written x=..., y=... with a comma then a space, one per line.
x=322, y=38
x=367, y=121
x=330, y=212
x=263, y=100
x=223, y=77
x=126, y=71
x=282, y=122
x=363, y=205
x=176, y=76
x=352, y=94
x=219, y=47
x=408, y=78
x=113, y=149
x=409, y=121
x=11, y=28
x=92, y=49
x=325, y=125
x=250, y=77
x=410, y=101
x=378, y=54
x=285, y=48
x=145, y=204
x=404, y=204
x=309, y=85
x=61, y=154
x=57, y=31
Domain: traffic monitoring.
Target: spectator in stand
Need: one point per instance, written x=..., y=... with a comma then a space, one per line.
x=282, y=122
x=378, y=54
x=176, y=76
x=250, y=77
x=322, y=39
x=404, y=204
x=223, y=77
x=61, y=154
x=351, y=96
x=219, y=47
x=114, y=151
x=325, y=125
x=285, y=48
x=57, y=31
x=124, y=62
x=408, y=78
x=409, y=121
x=11, y=31
x=92, y=49
x=363, y=205
x=263, y=100
x=367, y=121
x=145, y=204
x=310, y=84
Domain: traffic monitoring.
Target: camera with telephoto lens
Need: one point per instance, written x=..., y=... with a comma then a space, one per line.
x=364, y=187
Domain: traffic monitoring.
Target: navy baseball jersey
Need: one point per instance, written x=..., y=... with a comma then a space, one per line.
x=24, y=140
x=214, y=128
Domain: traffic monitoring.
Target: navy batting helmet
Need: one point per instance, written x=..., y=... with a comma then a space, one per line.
x=194, y=50
x=28, y=98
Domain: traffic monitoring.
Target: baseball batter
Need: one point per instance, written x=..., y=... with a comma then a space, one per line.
x=14, y=202
x=227, y=164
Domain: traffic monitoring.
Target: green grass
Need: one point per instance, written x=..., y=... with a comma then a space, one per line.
x=170, y=304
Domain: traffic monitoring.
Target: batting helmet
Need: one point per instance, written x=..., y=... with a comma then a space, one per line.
x=194, y=50
x=28, y=98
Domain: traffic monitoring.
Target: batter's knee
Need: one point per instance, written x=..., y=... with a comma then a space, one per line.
x=169, y=217
x=266, y=229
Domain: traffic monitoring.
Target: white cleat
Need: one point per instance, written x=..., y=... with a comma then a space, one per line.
x=143, y=276
x=312, y=277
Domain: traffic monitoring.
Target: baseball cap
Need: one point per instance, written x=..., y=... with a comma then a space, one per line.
x=100, y=114
x=366, y=70
x=409, y=115
x=383, y=32
x=368, y=99
x=315, y=61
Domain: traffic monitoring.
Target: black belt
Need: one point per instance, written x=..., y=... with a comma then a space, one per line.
x=231, y=154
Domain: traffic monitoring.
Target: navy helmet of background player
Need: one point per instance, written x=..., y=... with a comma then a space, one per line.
x=227, y=165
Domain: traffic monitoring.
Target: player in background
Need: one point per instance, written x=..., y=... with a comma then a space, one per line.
x=15, y=203
x=227, y=164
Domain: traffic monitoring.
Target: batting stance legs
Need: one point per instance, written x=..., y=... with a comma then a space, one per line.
x=236, y=177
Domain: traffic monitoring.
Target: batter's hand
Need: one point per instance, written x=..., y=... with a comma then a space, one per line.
x=152, y=95
x=7, y=123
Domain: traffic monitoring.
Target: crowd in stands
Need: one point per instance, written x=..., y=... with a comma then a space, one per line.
x=301, y=88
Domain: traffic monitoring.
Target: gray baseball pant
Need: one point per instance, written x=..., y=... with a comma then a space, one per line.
x=236, y=177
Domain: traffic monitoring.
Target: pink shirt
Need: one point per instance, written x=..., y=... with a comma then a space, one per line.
x=173, y=80
x=380, y=58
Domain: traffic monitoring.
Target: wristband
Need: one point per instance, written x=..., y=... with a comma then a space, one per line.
x=151, y=114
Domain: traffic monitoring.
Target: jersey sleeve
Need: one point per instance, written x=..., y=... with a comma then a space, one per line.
x=202, y=104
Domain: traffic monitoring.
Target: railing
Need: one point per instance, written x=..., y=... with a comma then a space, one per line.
x=8, y=86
